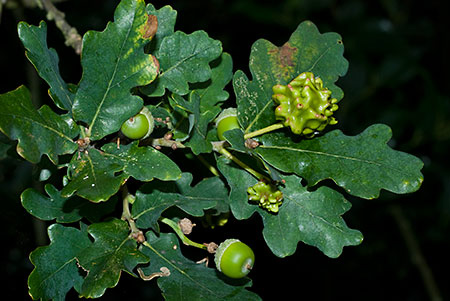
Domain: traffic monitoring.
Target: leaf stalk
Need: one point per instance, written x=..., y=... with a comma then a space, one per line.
x=250, y=170
x=211, y=168
x=179, y=232
x=270, y=128
x=136, y=233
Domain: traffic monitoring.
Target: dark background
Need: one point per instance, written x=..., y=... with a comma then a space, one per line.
x=398, y=75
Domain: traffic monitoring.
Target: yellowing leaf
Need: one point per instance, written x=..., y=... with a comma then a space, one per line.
x=113, y=63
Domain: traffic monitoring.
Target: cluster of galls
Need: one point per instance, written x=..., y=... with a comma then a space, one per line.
x=267, y=195
x=304, y=105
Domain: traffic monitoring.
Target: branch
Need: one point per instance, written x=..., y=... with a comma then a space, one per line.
x=73, y=39
x=416, y=254
x=158, y=142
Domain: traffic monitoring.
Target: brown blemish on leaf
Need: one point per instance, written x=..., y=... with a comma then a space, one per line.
x=287, y=53
x=155, y=60
x=284, y=58
x=284, y=55
x=150, y=27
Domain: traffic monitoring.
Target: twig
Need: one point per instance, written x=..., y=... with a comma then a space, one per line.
x=136, y=234
x=158, y=142
x=417, y=256
x=73, y=39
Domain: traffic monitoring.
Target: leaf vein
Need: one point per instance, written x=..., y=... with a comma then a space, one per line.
x=60, y=134
x=180, y=270
x=311, y=152
x=110, y=86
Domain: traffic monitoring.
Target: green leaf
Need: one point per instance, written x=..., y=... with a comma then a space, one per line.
x=63, y=210
x=94, y=176
x=202, y=117
x=189, y=280
x=313, y=217
x=182, y=122
x=113, y=63
x=236, y=139
x=238, y=180
x=212, y=91
x=112, y=252
x=155, y=197
x=56, y=270
x=306, y=50
x=254, y=103
x=46, y=62
x=184, y=59
x=143, y=163
x=5, y=145
x=204, y=104
x=362, y=164
x=38, y=131
x=166, y=23
x=98, y=174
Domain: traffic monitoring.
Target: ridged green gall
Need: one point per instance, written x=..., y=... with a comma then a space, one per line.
x=304, y=105
x=267, y=195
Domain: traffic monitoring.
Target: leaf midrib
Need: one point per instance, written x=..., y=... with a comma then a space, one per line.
x=184, y=59
x=321, y=154
x=169, y=262
x=175, y=203
x=34, y=121
x=97, y=112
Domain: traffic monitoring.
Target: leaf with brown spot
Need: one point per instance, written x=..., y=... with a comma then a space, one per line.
x=284, y=58
x=114, y=62
x=306, y=50
x=151, y=27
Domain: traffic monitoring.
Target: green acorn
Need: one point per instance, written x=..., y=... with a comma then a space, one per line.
x=139, y=126
x=267, y=196
x=304, y=105
x=226, y=121
x=234, y=258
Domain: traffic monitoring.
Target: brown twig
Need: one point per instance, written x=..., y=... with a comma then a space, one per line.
x=166, y=143
x=416, y=254
x=73, y=39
